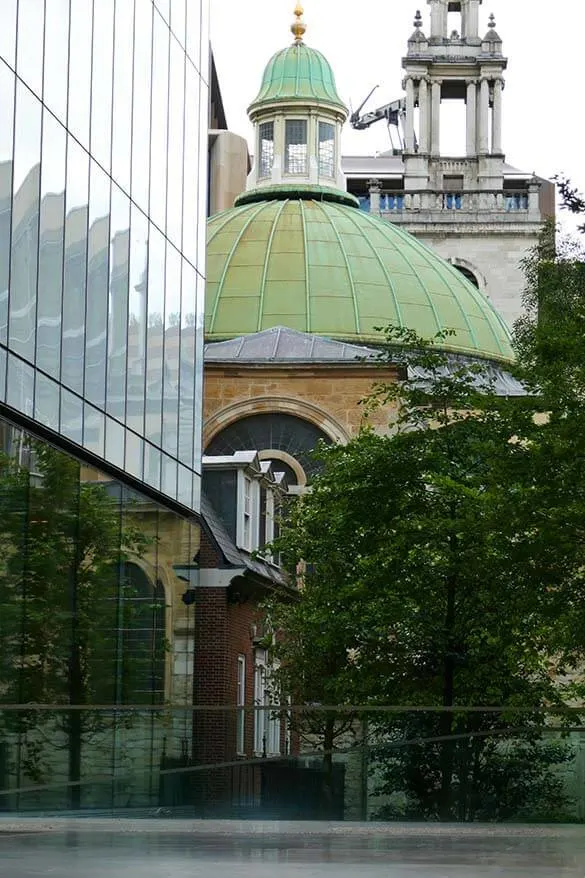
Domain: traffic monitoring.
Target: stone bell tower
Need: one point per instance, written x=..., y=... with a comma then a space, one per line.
x=455, y=65
x=476, y=210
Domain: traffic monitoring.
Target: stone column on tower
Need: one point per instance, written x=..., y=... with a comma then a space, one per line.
x=497, y=117
x=470, y=18
x=438, y=18
x=409, y=122
x=483, y=115
x=423, y=112
x=471, y=110
x=436, y=116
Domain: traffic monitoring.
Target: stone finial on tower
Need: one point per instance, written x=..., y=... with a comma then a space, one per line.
x=492, y=42
x=418, y=42
x=298, y=27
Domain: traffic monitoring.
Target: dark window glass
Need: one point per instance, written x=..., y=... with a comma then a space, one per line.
x=279, y=431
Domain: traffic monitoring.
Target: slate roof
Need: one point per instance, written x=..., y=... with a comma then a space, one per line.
x=233, y=556
x=283, y=345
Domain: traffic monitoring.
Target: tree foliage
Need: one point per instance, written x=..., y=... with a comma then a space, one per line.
x=444, y=564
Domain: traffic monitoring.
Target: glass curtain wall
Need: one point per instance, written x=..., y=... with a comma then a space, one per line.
x=92, y=617
x=102, y=228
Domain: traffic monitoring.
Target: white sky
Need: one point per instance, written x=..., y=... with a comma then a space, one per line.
x=365, y=40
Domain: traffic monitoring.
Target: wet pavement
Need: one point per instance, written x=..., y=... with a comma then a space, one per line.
x=88, y=848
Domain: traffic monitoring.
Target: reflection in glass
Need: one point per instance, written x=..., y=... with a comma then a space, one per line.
x=20, y=385
x=56, y=57
x=52, y=223
x=47, y=393
x=115, y=437
x=122, y=113
x=159, y=132
x=134, y=463
x=168, y=476
x=135, y=377
x=7, y=85
x=98, y=273
x=71, y=416
x=171, y=355
x=265, y=149
x=175, y=155
x=107, y=618
x=101, y=83
x=190, y=176
x=29, y=62
x=75, y=267
x=141, y=109
x=178, y=19
x=94, y=431
x=8, y=31
x=326, y=149
x=118, y=303
x=155, y=336
x=152, y=464
x=80, y=70
x=193, y=36
x=296, y=146
x=186, y=365
x=25, y=224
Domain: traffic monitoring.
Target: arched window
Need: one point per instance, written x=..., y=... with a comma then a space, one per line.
x=466, y=272
x=141, y=638
x=272, y=431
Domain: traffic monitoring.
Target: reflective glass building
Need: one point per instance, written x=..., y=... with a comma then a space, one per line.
x=103, y=193
x=103, y=144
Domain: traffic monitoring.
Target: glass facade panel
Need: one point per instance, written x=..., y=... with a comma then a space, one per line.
x=25, y=223
x=141, y=109
x=56, y=52
x=160, y=118
x=75, y=266
x=87, y=579
x=51, y=246
x=118, y=303
x=122, y=96
x=7, y=85
x=8, y=32
x=101, y=84
x=31, y=25
x=102, y=228
x=296, y=146
x=80, y=41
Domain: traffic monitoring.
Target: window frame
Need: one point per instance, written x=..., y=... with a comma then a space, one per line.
x=241, y=704
x=265, y=169
x=287, y=164
x=248, y=518
x=320, y=160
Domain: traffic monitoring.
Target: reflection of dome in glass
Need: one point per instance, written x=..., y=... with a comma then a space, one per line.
x=327, y=268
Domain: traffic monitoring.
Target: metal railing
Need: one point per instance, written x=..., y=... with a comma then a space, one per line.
x=400, y=201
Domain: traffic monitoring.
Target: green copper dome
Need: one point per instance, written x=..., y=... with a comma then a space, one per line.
x=298, y=73
x=330, y=269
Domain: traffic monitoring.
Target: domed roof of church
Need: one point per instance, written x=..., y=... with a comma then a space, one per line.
x=313, y=264
x=300, y=74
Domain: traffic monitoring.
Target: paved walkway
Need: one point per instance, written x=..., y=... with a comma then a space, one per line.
x=124, y=848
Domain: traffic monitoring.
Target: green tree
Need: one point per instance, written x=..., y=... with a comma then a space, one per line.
x=66, y=600
x=443, y=569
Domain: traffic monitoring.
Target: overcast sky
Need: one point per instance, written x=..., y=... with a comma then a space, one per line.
x=544, y=108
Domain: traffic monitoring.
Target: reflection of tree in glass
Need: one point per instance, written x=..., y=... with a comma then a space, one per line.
x=69, y=605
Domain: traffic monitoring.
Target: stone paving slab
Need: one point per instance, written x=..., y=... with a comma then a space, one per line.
x=95, y=848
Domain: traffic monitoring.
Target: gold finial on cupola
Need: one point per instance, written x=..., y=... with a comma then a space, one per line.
x=298, y=27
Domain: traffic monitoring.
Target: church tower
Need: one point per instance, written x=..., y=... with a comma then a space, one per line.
x=476, y=210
